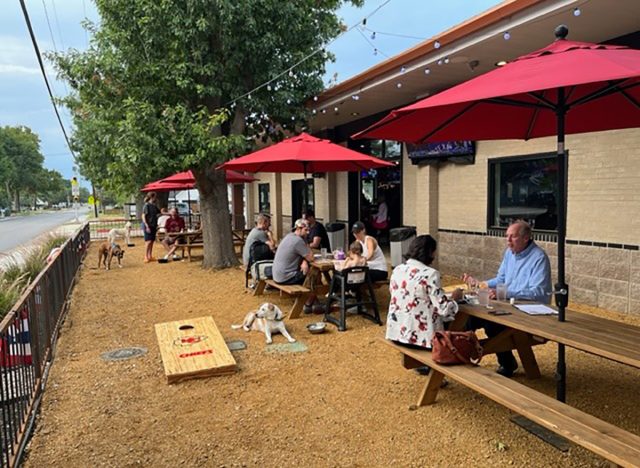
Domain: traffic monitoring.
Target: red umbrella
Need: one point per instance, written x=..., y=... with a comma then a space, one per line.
x=159, y=186
x=566, y=87
x=305, y=153
x=231, y=177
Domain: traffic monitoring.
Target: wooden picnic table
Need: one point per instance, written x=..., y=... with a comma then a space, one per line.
x=610, y=339
x=596, y=335
x=188, y=240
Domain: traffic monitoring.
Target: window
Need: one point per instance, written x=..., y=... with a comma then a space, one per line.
x=524, y=188
x=264, y=205
x=386, y=149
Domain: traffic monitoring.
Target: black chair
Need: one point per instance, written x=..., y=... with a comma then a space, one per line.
x=357, y=281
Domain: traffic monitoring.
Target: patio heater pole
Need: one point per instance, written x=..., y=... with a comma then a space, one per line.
x=561, y=288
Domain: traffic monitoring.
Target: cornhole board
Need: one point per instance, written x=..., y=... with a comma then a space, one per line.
x=193, y=348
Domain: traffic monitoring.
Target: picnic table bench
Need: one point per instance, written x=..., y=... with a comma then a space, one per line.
x=600, y=437
x=301, y=293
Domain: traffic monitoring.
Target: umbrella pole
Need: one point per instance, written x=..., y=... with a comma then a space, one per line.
x=561, y=288
x=305, y=189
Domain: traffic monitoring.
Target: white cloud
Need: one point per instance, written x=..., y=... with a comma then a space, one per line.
x=18, y=69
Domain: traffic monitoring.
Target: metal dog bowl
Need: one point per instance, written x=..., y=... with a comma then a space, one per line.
x=317, y=327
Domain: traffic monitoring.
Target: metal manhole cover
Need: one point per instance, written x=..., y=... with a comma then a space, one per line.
x=123, y=354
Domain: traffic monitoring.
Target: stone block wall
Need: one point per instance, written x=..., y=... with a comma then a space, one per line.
x=599, y=276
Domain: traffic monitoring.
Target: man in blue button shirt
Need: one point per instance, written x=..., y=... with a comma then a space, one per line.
x=526, y=271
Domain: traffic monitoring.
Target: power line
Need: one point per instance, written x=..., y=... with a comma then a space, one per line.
x=44, y=74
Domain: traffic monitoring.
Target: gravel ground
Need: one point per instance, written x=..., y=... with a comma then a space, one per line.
x=346, y=401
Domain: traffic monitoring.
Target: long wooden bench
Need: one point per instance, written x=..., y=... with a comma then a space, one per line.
x=301, y=293
x=605, y=439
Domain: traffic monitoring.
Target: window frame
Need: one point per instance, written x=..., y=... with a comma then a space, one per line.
x=491, y=185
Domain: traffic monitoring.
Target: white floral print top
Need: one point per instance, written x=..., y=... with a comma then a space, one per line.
x=418, y=306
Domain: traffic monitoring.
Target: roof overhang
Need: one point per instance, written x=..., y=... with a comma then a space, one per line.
x=469, y=49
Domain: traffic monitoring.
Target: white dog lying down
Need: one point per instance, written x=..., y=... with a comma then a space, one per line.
x=267, y=319
x=120, y=233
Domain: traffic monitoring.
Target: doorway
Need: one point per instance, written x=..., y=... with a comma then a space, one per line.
x=297, y=200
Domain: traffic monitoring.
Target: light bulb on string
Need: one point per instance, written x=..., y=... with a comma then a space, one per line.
x=355, y=97
x=427, y=71
x=335, y=109
x=324, y=111
x=268, y=87
x=399, y=85
x=436, y=45
x=576, y=11
x=440, y=62
x=315, y=98
x=288, y=101
x=446, y=60
x=506, y=36
x=403, y=69
x=373, y=35
x=314, y=112
x=375, y=51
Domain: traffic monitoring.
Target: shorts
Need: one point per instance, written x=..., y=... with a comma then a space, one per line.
x=151, y=235
x=298, y=278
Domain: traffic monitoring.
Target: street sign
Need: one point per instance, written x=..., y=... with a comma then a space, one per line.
x=75, y=187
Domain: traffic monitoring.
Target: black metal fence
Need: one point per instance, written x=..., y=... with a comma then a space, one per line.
x=100, y=228
x=28, y=335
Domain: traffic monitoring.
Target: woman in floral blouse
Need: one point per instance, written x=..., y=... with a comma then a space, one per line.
x=418, y=305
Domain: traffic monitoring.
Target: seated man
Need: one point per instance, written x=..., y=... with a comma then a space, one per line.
x=162, y=220
x=174, y=224
x=291, y=263
x=317, y=238
x=260, y=233
x=526, y=271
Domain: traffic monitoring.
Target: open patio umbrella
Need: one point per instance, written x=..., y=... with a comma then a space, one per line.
x=167, y=187
x=566, y=87
x=303, y=154
x=231, y=177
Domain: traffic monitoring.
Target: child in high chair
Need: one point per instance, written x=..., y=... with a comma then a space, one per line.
x=355, y=257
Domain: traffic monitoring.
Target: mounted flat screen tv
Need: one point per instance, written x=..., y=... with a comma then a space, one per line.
x=459, y=152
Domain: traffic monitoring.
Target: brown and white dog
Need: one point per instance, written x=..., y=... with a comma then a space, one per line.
x=106, y=253
x=124, y=233
x=268, y=319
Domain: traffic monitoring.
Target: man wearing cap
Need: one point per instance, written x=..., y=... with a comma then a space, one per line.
x=376, y=262
x=291, y=263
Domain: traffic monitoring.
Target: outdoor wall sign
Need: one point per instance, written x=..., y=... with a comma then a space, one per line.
x=459, y=152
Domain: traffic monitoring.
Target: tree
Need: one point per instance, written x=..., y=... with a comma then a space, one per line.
x=163, y=87
x=20, y=162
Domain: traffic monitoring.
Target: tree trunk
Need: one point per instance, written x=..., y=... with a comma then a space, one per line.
x=216, y=219
x=16, y=201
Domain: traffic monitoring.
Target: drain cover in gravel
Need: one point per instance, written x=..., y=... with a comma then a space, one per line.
x=236, y=345
x=123, y=354
x=296, y=347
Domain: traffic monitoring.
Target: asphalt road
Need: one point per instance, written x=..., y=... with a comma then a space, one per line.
x=16, y=231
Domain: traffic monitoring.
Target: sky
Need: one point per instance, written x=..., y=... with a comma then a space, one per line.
x=57, y=26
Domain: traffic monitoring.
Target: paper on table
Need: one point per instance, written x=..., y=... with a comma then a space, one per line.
x=536, y=309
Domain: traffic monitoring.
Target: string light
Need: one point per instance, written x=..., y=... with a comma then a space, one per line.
x=373, y=35
x=375, y=51
x=315, y=98
x=399, y=85
x=439, y=62
x=403, y=69
x=576, y=11
x=427, y=71
x=355, y=97
x=506, y=35
x=446, y=60
x=436, y=45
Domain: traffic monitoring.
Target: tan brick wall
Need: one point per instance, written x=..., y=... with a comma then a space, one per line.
x=410, y=182
x=342, y=195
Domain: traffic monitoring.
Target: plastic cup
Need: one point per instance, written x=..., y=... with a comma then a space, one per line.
x=501, y=292
x=323, y=253
x=483, y=297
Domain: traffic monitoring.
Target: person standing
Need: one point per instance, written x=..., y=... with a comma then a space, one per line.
x=372, y=252
x=526, y=271
x=150, y=214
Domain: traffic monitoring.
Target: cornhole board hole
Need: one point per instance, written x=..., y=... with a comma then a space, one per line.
x=192, y=349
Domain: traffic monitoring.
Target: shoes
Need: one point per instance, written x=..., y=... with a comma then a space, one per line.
x=507, y=369
x=176, y=257
x=146, y=260
x=424, y=370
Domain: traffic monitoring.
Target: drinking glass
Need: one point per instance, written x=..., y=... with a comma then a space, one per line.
x=501, y=291
x=323, y=253
x=483, y=297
